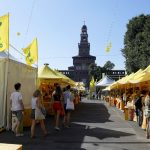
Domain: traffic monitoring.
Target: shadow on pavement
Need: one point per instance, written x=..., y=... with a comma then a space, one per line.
x=69, y=138
x=92, y=113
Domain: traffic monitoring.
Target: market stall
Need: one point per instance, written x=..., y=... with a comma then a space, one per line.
x=47, y=78
x=11, y=72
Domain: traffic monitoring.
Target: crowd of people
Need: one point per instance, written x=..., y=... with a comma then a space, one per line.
x=139, y=100
x=62, y=105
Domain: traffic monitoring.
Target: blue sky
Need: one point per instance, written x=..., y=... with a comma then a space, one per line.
x=57, y=25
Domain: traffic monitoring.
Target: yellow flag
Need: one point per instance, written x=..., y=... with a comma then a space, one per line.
x=108, y=47
x=4, y=32
x=92, y=82
x=31, y=52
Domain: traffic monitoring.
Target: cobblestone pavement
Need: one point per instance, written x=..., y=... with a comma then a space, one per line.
x=95, y=126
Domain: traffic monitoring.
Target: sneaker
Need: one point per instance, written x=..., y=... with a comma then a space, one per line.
x=21, y=134
x=56, y=128
x=18, y=134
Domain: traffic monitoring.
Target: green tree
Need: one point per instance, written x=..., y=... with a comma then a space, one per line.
x=137, y=43
x=109, y=65
x=95, y=71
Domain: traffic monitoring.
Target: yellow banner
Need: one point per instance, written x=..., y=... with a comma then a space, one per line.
x=4, y=32
x=31, y=52
x=92, y=82
x=109, y=46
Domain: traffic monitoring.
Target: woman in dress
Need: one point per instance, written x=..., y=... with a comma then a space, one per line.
x=57, y=105
x=36, y=103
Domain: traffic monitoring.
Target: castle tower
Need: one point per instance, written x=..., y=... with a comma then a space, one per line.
x=82, y=61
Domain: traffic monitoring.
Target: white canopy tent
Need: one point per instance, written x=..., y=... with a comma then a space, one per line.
x=106, y=81
x=11, y=72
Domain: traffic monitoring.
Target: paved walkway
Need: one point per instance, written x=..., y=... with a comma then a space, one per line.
x=95, y=126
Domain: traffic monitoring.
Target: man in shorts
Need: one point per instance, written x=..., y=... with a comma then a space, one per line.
x=17, y=108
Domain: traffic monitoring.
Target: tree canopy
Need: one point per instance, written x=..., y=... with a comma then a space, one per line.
x=109, y=65
x=96, y=71
x=137, y=43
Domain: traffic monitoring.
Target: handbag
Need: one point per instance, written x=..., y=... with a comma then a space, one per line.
x=43, y=110
x=69, y=105
x=38, y=114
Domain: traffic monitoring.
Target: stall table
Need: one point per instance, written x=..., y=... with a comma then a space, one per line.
x=10, y=146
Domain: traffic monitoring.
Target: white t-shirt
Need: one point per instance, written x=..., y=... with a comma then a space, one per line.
x=16, y=99
x=67, y=95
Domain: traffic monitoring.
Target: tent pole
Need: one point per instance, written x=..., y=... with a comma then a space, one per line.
x=7, y=105
x=37, y=65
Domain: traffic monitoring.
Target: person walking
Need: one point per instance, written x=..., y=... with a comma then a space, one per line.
x=147, y=114
x=17, y=108
x=36, y=105
x=57, y=105
x=68, y=99
x=138, y=109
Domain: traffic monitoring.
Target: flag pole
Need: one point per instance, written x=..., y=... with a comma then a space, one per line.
x=37, y=64
x=7, y=112
x=8, y=37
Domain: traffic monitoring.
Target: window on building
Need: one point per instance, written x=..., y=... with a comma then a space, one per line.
x=78, y=67
x=84, y=67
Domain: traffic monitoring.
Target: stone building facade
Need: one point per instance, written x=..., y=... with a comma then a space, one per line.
x=79, y=72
